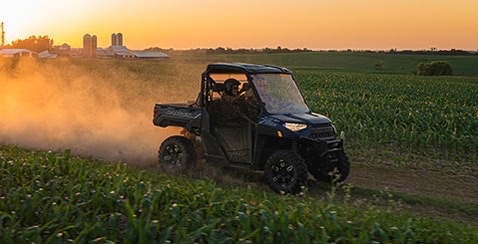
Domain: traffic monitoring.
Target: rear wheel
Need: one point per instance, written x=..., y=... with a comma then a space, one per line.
x=337, y=172
x=286, y=172
x=177, y=153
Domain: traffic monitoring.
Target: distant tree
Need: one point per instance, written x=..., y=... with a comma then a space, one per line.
x=434, y=68
x=33, y=43
x=279, y=49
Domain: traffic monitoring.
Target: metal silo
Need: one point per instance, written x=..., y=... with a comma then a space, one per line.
x=94, y=45
x=120, y=39
x=114, y=40
x=87, y=45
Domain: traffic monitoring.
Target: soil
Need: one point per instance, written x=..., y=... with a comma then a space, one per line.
x=424, y=184
x=424, y=187
x=416, y=182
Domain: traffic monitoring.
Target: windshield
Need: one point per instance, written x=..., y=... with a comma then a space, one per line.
x=279, y=93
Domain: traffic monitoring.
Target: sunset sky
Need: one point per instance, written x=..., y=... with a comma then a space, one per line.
x=186, y=24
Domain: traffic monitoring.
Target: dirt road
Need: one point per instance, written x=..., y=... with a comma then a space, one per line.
x=416, y=182
x=425, y=186
x=422, y=192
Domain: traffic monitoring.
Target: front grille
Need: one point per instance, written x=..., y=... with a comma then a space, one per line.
x=322, y=125
x=323, y=132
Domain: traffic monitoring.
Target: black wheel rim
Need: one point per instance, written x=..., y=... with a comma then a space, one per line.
x=174, y=155
x=282, y=173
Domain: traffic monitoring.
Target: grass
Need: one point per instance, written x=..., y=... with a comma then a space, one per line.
x=342, y=61
x=57, y=197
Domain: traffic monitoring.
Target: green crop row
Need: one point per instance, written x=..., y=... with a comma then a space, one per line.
x=57, y=197
x=419, y=113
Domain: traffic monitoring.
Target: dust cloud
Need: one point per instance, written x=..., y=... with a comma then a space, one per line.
x=101, y=109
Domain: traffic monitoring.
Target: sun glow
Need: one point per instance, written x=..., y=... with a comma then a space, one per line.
x=14, y=29
x=327, y=24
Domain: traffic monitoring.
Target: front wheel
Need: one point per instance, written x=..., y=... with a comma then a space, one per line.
x=338, y=171
x=286, y=172
x=177, y=153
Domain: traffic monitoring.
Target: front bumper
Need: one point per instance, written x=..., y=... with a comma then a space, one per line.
x=334, y=147
x=319, y=150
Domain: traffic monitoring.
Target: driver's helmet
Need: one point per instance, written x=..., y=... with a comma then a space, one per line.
x=229, y=85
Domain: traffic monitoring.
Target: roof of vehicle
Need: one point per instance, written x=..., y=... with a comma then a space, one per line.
x=245, y=68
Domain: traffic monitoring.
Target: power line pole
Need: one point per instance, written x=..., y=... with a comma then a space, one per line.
x=3, y=36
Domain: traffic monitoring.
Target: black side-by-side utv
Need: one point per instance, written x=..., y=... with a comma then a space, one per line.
x=267, y=126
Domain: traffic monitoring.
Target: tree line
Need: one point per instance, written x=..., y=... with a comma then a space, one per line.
x=33, y=43
x=42, y=43
x=227, y=50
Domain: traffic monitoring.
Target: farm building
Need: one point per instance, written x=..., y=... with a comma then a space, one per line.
x=118, y=50
x=47, y=54
x=144, y=54
x=123, y=52
x=12, y=53
x=62, y=51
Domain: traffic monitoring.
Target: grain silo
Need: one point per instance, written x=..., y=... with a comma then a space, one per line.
x=119, y=37
x=114, y=41
x=87, y=45
x=94, y=45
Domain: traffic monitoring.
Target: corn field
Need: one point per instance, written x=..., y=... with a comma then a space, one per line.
x=433, y=117
x=59, y=198
x=418, y=111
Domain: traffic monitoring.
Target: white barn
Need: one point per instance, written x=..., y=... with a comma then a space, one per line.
x=12, y=53
x=124, y=52
x=146, y=54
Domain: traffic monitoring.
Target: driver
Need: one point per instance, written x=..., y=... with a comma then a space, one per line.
x=231, y=92
x=244, y=103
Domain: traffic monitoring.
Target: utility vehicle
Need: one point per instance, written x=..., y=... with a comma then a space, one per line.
x=268, y=126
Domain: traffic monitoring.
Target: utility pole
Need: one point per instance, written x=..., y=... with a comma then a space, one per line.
x=3, y=36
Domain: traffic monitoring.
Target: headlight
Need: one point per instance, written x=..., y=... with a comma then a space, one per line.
x=295, y=126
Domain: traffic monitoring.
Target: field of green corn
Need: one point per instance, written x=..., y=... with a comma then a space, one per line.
x=433, y=117
x=419, y=111
x=57, y=198
x=399, y=120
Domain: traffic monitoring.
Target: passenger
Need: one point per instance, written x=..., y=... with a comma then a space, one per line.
x=246, y=91
x=248, y=103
